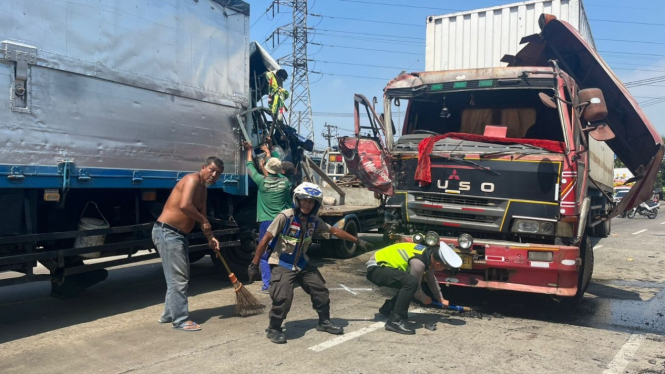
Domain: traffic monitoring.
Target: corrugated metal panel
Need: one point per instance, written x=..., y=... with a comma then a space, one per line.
x=480, y=38
x=601, y=164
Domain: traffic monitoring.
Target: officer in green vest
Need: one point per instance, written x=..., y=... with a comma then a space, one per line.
x=402, y=266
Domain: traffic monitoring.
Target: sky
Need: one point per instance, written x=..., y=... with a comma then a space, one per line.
x=357, y=46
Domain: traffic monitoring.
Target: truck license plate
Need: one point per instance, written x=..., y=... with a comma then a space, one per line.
x=467, y=262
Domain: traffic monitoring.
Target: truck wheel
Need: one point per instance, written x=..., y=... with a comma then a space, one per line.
x=586, y=270
x=344, y=249
x=602, y=230
x=195, y=256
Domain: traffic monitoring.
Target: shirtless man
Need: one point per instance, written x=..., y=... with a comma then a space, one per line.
x=185, y=207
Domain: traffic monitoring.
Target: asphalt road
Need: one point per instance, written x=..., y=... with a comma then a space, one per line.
x=619, y=327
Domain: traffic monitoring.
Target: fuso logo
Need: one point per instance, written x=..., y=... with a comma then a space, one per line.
x=454, y=175
x=463, y=185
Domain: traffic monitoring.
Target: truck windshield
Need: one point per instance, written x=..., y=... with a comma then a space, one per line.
x=510, y=113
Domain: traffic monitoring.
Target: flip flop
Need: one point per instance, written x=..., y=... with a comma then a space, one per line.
x=188, y=326
x=163, y=321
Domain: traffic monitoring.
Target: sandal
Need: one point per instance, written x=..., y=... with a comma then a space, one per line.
x=163, y=321
x=188, y=326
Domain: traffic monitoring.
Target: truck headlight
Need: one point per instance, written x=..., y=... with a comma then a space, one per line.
x=431, y=238
x=418, y=238
x=531, y=226
x=465, y=241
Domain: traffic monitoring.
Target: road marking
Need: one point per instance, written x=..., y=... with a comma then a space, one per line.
x=348, y=289
x=341, y=339
x=345, y=288
x=662, y=223
x=626, y=352
x=639, y=232
x=598, y=247
x=352, y=335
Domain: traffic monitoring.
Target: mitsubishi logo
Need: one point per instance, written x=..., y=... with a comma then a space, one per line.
x=454, y=175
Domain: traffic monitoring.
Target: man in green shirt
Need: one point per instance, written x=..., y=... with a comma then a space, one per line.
x=273, y=197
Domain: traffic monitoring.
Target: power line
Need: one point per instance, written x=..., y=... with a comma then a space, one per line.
x=367, y=49
x=400, y=5
x=371, y=34
x=628, y=41
x=355, y=64
x=366, y=20
x=632, y=53
x=351, y=76
x=627, y=22
x=376, y=40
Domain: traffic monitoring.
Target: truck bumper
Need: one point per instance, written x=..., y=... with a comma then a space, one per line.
x=506, y=266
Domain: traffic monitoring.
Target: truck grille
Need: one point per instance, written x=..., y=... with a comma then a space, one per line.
x=457, y=200
x=454, y=216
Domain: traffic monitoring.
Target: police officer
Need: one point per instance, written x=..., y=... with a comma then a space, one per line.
x=293, y=230
x=402, y=266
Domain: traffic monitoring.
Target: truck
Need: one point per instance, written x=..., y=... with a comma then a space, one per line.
x=106, y=107
x=509, y=162
x=355, y=209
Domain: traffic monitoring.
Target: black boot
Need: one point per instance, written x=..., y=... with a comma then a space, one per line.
x=396, y=324
x=274, y=331
x=325, y=324
x=386, y=308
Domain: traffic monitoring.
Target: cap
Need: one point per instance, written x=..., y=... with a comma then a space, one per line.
x=274, y=165
x=447, y=256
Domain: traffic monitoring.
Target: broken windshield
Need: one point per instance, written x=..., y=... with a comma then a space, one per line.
x=487, y=114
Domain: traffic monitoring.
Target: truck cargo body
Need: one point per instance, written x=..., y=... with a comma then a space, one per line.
x=504, y=154
x=480, y=38
x=113, y=102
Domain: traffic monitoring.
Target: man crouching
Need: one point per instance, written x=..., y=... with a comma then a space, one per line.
x=293, y=230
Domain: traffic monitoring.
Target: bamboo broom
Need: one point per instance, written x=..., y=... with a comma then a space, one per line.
x=246, y=303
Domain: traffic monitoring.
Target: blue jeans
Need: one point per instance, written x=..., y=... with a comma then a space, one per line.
x=263, y=264
x=173, y=249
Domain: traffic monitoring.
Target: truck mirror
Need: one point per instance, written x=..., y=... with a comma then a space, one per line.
x=547, y=100
x=593, y=101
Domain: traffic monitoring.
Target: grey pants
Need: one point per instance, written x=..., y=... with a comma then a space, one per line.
x=173, y=249
x=282, y=282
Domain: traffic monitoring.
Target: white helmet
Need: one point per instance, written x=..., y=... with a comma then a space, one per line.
x=307, y=190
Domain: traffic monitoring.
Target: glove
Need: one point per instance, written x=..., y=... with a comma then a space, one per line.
x=252, y=272
x=365, y=246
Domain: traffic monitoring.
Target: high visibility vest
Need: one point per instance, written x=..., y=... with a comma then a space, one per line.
x=397, y=256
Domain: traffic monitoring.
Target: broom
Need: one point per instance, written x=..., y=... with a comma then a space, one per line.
x=246, y=303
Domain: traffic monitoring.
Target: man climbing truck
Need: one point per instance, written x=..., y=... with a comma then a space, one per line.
x=496, y=162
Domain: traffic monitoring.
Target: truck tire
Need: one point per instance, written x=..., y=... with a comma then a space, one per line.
x=602, y=230
x=586, y=269
x=344, y=249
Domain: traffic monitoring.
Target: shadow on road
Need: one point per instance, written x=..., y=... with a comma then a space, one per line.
x=27, y=310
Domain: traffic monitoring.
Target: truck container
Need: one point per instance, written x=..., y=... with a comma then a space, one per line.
x=498, y=162
x=480, y=38
x=107, y=105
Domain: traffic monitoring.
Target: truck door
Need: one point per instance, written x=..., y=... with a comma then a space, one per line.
x=367, y=155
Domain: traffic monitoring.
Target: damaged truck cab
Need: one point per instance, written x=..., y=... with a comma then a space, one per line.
x=496, y=162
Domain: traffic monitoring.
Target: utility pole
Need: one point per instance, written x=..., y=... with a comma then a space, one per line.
x=299, y=99
x=327, y=134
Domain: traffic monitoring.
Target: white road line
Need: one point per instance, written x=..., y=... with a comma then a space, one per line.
x=624, y=355
x=639, y=232
x=347, y=288
x=341, y=339
x=662, y=223
x=352, y=335
x=597, y=247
